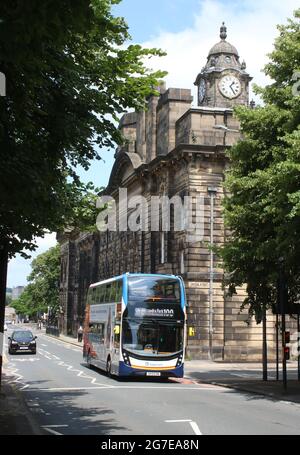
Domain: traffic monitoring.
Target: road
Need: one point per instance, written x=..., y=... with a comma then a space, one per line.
x=68, y=398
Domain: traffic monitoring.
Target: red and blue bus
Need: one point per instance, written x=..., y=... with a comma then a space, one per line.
x=135, y=325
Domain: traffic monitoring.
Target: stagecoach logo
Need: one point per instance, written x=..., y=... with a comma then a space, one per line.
x=164, y=312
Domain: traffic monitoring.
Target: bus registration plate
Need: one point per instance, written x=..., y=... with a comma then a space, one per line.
x=153, y=373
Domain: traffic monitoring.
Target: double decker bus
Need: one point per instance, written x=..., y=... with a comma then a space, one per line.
x=135, y=325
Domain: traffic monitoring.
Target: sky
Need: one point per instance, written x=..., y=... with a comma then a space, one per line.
x=186, y=30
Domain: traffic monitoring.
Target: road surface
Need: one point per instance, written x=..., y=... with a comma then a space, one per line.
x=67, y=398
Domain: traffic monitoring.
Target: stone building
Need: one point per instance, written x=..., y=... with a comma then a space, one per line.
x=174, y=149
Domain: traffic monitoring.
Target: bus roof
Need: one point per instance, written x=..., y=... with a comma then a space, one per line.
x=120, y=277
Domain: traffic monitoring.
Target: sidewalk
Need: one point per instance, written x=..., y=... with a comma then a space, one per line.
x=246, y=377
x=15, y=416
x=66, y=339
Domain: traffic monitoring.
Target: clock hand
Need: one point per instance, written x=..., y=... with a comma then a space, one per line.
x=231, y=87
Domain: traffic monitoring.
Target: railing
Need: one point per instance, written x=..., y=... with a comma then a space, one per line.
x=52, y=330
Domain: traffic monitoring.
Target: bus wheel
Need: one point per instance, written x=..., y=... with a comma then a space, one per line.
x=108, y=367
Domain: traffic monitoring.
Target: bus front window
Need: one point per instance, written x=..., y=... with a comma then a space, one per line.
x=152, y=338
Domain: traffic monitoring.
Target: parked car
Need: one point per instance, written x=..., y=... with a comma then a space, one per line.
x=22, y=341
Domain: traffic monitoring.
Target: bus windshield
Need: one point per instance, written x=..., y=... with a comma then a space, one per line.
x=152, y=337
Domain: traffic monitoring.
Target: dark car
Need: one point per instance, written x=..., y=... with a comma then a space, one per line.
x=22, y=341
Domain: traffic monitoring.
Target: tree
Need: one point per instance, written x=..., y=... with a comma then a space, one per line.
x=42, y=291
x=262, y=209
x=68, y=76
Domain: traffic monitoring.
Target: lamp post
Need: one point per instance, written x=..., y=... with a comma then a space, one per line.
x=212, y=191
x=225, y=129
x=282, y=306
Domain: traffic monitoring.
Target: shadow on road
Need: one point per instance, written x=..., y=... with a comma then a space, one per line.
x=77, y=410
x=129, y=378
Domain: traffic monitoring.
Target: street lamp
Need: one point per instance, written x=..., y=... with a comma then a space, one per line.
x=224, y=127
x=212, y=191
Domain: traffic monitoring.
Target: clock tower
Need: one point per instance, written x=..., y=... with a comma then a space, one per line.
x=224, y=81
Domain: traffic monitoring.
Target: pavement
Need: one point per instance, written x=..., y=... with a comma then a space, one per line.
x=246, y=377
x=16, y=418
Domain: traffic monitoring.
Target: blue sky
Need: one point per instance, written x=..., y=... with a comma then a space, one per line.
x=186, y=30
x=146, y=19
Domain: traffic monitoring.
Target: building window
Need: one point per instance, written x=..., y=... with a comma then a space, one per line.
x=181, y=259
x=162, y=247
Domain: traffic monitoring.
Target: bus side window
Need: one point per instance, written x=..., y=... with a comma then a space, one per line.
x=101, y=294
x=97, y=332
x=101, y=333
x=107, y=293
x=96, y=295
x=119, y=291
x=113, y=293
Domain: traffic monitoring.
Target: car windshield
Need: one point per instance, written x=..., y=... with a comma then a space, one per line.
x=22, y=336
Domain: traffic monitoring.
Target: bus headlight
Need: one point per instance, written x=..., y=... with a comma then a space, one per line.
x=179, y=361
x=126, y=359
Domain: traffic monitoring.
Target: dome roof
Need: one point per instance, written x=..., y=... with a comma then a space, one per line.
x=223, y=47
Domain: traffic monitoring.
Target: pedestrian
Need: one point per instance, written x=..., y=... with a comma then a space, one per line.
x=79, y=334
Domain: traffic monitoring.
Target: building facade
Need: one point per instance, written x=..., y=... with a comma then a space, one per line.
x=175, y=150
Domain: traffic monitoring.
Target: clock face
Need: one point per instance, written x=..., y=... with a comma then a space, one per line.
x=230, y=86
x=201, y=91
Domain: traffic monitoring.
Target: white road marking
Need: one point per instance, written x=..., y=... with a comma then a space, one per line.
x=195, y=428
x=176, y=421
x=193, y=424
x=27, y=360
x=52, y=431
x=45, y=345
x=54, y=426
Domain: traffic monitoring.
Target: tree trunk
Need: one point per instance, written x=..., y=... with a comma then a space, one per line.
x=3, y=277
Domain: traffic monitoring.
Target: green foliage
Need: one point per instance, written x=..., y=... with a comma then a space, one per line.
x=69, y=75
x=43, y=290
x=8, y=300
x=262, y=210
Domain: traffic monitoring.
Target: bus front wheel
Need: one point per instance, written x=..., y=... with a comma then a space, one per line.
x=108, y=367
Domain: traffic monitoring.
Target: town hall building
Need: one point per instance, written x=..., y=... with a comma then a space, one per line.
x=174, y=149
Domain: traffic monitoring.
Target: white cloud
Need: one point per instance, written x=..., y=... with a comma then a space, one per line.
x=251, y=28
